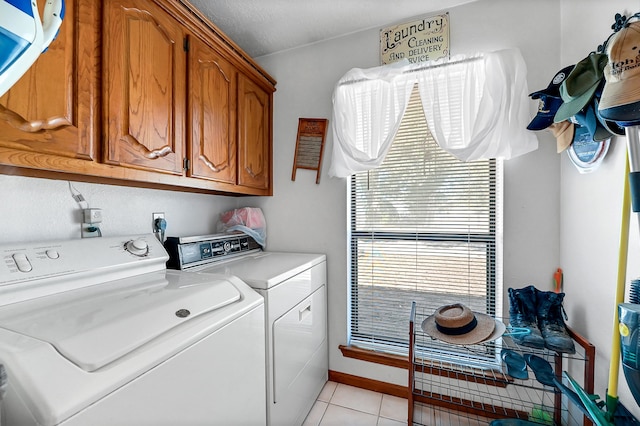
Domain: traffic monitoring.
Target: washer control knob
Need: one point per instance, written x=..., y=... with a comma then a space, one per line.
x=137, y=247
x=22, y=262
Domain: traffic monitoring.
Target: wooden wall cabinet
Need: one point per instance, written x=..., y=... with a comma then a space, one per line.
x=51, y=113
x=144, y=84
x=178, y=105
x=212, y=114
x=254, y=134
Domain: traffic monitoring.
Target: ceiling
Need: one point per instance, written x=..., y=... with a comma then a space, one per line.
x=261, y=27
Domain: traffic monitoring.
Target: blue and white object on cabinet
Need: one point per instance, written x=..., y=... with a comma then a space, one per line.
x=23, y=36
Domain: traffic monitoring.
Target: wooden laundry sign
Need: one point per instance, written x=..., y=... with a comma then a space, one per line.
x=418, y=41
x=310, y=145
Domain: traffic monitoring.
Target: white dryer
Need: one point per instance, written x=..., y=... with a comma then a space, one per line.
x=98, y=332
x=295, y=292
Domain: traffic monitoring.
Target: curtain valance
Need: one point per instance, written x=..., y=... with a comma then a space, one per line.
x=476, y=107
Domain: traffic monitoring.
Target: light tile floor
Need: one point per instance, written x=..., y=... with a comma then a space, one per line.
x=344, y=405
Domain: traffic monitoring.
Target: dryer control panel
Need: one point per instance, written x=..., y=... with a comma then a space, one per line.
x=189, y=252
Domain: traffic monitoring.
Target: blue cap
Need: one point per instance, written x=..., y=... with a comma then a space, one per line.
x=553, y=89
x=547, y=108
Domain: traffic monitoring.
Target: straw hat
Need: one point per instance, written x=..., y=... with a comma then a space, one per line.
x=459, y=325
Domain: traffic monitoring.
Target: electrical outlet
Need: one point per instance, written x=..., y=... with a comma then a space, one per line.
x=92, y=216
x=155, y=217
x=90, y=226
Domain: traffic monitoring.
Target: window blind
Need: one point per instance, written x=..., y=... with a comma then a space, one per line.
x=424, y=226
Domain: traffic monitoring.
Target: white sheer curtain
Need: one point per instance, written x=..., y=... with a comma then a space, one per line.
x=476, y=108
x=368, y=106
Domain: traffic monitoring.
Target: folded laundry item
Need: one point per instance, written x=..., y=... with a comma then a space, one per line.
x=251, y=217
x=249, y=220
x=515, y=364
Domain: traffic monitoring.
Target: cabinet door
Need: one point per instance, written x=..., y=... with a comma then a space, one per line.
x=52, y=109
x=254, y=135
x=212, y=114
x=144, y=82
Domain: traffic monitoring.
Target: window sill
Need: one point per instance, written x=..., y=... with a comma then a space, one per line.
x=375, y=357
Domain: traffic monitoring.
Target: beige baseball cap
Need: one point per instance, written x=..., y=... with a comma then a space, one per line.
x=563, y=132
x=622, y=74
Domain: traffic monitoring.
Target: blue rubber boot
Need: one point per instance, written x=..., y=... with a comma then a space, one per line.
x=523, y=313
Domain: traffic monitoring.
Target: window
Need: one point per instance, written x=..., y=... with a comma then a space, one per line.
x=424, y=226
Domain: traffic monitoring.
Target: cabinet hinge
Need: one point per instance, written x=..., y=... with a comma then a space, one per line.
x=185, y=163
x=185, y=44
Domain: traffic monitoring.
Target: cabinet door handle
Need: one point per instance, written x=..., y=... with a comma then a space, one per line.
x=249, y=170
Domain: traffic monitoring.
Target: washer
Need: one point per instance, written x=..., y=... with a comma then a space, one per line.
x=295, y=292
x=98, y=332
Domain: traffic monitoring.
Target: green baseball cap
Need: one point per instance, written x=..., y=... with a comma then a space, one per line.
x=578, y=88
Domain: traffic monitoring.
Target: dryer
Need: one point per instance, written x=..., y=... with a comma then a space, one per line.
x=98, y=332
x=295, y=292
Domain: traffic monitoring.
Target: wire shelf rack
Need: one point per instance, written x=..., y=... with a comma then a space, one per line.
x=467, y=385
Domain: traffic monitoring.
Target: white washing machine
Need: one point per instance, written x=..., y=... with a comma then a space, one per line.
x=98, y=332
x=295, y=292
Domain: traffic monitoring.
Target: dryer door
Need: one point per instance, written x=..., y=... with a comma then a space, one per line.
x=296, y=337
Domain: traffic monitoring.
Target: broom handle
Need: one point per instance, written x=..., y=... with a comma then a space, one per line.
x=614, y=367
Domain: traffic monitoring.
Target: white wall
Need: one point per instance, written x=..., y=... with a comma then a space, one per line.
x=591, y=208
x=554, y=216
x=308, y=217
x=35, y=209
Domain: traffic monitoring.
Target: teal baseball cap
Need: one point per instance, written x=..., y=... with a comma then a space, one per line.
x=588, y=119
x=578, y=88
